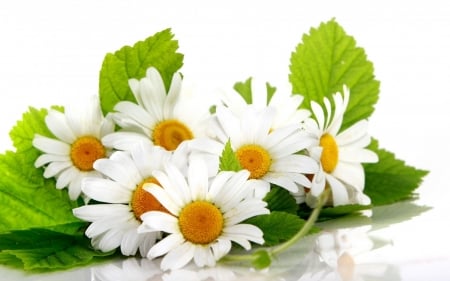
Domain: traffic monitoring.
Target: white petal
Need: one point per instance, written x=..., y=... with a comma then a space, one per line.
x=172, y=96
x=318, y=183
x=338, y=190
x=121, y=169
x=243, y=233
x=245, y=210
x=355, y=132
x=98, y=211
x=318, y=113
x=282, y=180
x=75, y=186
x=178, y=257
x=135, y=112
x=221, y=248
x=110, y=240
x=357, y=155
x=105, y=190
x=57, y=124
x=66, y=176
x=203, y=257
x=55, y=168
x=47, y=158
x=129, y=243
x=352, y=174
x=166, y=245
x=160, y=221
x=124, y=140
x=198, y=178
x=160, y=194
x=51, y=146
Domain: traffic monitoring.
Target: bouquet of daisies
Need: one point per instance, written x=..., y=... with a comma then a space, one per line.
x=144, y=169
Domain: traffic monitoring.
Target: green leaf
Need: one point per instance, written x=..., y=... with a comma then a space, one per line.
x=45, y=250
x=245, y=90
x=390, y=180
x=270, y=92
x=228, y=159
x=278, y=226
x=327, y=59
x=279, y=199
x=29, y=200
x=22, y=134
x=158, y=51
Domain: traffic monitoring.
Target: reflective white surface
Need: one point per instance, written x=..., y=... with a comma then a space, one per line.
x=52, y=51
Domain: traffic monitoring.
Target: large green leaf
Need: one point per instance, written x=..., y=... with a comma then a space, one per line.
x=46, y=250
x=158, y=51
x=390, y=180
x=328, y=59
x=27, y=199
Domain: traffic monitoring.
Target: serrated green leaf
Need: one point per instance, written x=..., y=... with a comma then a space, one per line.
x=279, y=199
x=158, y=51
x=327, y=59
x=29, y=200
x=278, y=226
x=390, y=180
x=245, y=90
x=44, y=250
x=22, y=134
x=228, y=159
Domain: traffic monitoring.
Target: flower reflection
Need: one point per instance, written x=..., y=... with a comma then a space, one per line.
x=340, y=255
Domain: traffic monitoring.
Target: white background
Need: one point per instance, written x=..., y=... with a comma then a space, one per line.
x=51, y=53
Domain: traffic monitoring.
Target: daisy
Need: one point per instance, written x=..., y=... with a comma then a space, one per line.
x=340, y=154
x=271, y=155
x=163, y=118
x=70, y=156
x=286, y=106
x=115, y=222
x=204, y=217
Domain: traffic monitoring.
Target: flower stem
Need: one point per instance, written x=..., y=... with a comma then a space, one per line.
x=323, y=198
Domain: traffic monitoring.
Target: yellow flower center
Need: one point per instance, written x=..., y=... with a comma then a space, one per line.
x=201, y=222
x=255, y=159
x=330, y=153
x=143, y=201
x=170, y=133
x=85, y=151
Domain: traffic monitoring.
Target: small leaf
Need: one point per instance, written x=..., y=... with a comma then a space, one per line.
x=332, y=212
x=245, y=90
x=390, y=180
x=228, y=159
x=158, y=51
x=270, y=92
x=279, y=199
x=22, y=134
x=327, y=60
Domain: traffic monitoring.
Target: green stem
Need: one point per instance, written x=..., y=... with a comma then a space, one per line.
x=323, y=198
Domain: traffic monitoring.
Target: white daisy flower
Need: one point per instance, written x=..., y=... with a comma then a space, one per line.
x=286, y=106
x=340, y=154
x=70, y=156
x=271, y=155
x=115, y=223
x=204, y=216
x=164, y=118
